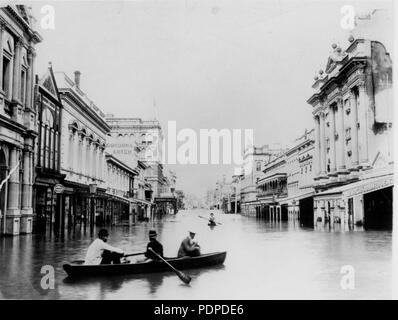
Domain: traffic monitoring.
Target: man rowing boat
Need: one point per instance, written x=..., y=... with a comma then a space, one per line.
x=189, y=247
x=212, y=220
x=99, y=252
x=155, y=245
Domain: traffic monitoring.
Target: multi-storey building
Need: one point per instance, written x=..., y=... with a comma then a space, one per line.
x=272, y=189
x=18, y=127
x=84, y=133
x=352, y=108
x=254, y=159
x=300, y=173
x=148, y=136
x=48, y=174
x=120, y=190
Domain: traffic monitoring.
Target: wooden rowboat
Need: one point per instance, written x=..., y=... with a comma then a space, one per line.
x=205, y=260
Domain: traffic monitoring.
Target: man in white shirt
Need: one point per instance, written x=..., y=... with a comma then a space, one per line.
x=99, y=252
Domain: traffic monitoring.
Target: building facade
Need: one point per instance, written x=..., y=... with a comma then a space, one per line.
x=272, y=190
x=83, y=141
x=300, y=175
x=120, y=190
x=353, y=160
x=18, y=127
x=147, y=136
x=254, y=159
x=47, y=154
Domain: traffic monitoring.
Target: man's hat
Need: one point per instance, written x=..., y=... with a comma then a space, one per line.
x=192, y=231
x=152, y=233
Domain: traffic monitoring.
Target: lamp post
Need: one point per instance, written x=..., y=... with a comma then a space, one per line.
x=93, y=191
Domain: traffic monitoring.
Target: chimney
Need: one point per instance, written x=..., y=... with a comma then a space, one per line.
x=77, y=78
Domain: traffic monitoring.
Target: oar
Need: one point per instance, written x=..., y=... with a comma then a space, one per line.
x=184, y=277
x=134, y=254
x=126, y=255
x=209, y=220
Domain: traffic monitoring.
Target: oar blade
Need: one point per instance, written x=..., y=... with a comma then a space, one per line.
x=184, y=277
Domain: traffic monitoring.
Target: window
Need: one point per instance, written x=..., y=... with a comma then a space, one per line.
x=348, y=133
x=258, y=166
x=6, y=76
x=23, y=86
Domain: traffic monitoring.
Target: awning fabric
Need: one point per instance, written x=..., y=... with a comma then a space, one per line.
x=362, y=186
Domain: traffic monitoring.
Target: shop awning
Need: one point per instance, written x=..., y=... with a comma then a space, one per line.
x=297, y=197
x=129, y=200
x=362, y=186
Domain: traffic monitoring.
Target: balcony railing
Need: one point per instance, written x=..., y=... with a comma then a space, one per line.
x=277, y=192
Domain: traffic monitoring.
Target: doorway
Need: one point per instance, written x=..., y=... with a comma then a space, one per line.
x=378, y=209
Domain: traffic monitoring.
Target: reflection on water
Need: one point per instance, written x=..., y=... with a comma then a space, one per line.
x=265, y=260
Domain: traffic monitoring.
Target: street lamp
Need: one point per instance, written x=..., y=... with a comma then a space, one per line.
x=93, y=191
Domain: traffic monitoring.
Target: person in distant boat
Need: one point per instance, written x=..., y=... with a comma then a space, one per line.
x=212, y=220
x=189, y=247
x=155, y=245
x=99, y=252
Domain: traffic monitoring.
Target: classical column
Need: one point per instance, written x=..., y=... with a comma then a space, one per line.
x=78, y=152
x=95, y=161
x=363, y=105
x=71, y=146
x=17, y=70
x=317, y=157
x=13, y=211
x=27, y=211
x=17, y=108
x=332, y=137
x=83, y=151
x=340, y=154
x=29, y=82
x=29, y=115
x=354, y=130
x=322, y=145
x=2, y=24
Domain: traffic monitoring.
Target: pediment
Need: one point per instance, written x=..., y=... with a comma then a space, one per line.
x=48, y=83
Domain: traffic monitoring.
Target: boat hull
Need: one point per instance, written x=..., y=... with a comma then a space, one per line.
x=206, y=260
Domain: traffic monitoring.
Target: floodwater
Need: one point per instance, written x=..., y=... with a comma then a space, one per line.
x=265, y=260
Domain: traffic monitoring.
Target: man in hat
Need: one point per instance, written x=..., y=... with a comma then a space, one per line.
x=99, y=252
x=155, y=245
x=189, y=247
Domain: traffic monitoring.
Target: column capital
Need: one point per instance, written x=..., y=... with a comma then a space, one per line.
x=19, y=42
x=361, y=84
x=31, y=53
x=339, y=102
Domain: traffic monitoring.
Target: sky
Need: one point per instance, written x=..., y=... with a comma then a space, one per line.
x=205, y=64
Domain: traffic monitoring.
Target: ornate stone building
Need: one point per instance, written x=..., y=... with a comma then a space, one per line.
x=145, y=140
x=255, y=159
x=83, y=140
x=272, y=189
x=120, y=190
x=300, y=175
x=47, y=154
x=353, y=161
x=18, y=128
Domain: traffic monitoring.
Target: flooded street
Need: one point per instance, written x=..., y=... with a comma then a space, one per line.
x=264, y=261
